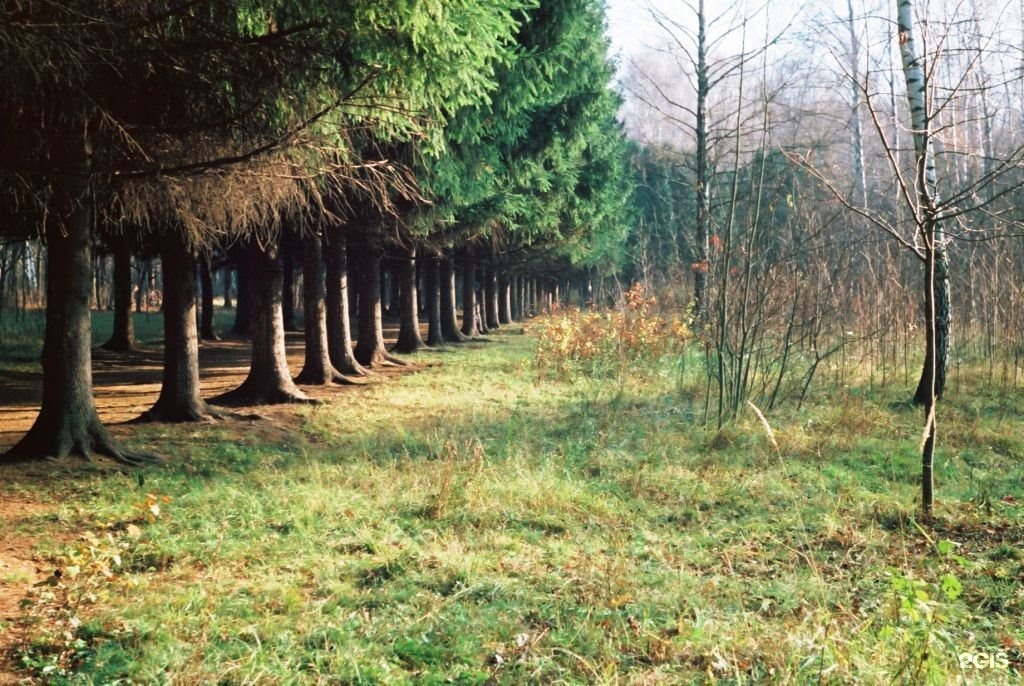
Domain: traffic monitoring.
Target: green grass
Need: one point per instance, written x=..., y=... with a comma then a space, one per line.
x=478, y=522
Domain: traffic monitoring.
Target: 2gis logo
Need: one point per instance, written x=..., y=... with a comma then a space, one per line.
x=984, y=660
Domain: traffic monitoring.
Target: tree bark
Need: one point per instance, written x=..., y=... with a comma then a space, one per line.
x=469, y=328
x=370, y=351
x=180, y=399
x=504, y=299
x=517, y=300
x=449, y=319
x=702, y=265
x=287, y=251
x=929, y=227
x=432, y=293
x=226, y=278
x=207, y=331
x=122, y=338
x=339, y=329
x=145, y=267
x=269, y=382
x=409, y=339
x=317, y=369
x=243, y=304
x=491, y=297
x=67, y=421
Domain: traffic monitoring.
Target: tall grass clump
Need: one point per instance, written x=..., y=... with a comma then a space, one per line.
x=629, y=339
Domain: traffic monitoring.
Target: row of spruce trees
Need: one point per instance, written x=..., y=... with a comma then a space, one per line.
x=447, y=131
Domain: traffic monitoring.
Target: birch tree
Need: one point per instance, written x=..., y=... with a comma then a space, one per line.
x=932, y=241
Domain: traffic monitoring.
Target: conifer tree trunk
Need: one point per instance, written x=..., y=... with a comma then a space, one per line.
x=339, y=328
x=180, y=399
x=432, y=292
x=67, y=421
x=122, y=338
x=517, y=298
x=269, y=381
x=449, y=317
x=370, y=351
x=243, y=304
x=226, y=276
x=317, y=368
x=490, y=297
x=409, y=339
x=207, y=331
x=288, y=283
x=504, y=299
x=469, y=298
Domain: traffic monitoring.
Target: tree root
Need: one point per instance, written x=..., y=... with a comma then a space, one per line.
x=243, y=396
x=89, y=440
x=179, y=415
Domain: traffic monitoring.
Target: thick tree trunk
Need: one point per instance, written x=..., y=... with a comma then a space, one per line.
x=317, y=369
x=339, y=329
x=243, y=303
x=391, y=285
x=469, y=328
x=269, y=381
x=370, y=351
x=409, y=339
x=226, y=278
x=504, y=299
x=122, y=338
x=67, y=421
x=288, y=284
x=432, y=292
x=180, y=399
x=517, y=302
x=491, y=295
x=449, y=318
x=206, y=328
x=145, y=267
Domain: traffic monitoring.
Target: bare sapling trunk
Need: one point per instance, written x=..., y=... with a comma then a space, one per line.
x=68, y=422
x=180, y=399
x=409, y=339
x=269, y=382
x=122, y=338
x=932, y=239
x=702, y=264
x=339, y=328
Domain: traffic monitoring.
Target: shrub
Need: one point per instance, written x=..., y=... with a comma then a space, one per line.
x=608, y=343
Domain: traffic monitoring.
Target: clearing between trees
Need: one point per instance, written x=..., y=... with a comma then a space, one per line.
x=497, y=517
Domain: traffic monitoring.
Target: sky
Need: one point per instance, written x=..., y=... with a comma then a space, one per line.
x=631, y=26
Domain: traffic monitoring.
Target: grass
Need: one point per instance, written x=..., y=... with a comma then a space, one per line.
x=481, y=522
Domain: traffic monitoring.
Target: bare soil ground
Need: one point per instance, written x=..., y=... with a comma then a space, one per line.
x=124, y=387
